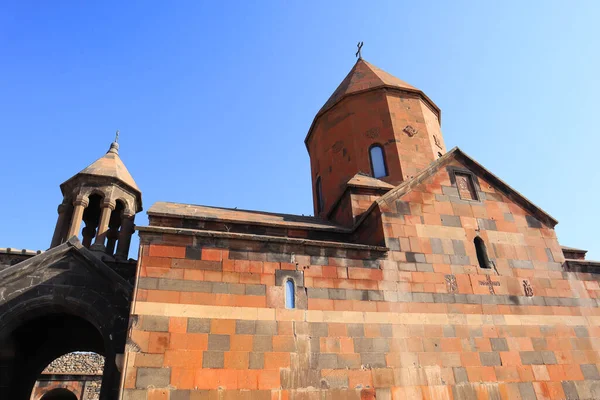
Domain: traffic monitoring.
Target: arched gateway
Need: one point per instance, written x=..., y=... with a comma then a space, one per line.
x=76, y=296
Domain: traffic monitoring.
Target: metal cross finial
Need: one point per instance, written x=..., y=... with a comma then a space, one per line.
x=358, y=54
x=117, y=137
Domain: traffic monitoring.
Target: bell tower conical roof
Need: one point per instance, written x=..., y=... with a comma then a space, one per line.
x=109, y=165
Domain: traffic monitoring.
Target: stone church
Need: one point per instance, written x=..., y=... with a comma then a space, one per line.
x=422, y=275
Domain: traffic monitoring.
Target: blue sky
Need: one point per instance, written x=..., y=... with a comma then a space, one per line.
x=213, y=100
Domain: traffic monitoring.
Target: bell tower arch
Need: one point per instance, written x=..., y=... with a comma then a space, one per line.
x=99, y=206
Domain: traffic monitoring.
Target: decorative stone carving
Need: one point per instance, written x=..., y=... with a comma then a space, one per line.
x=527, y=289
x=489, y=283
x=410, y=131
x=451, y=284
x=337, y=146
x=437, y=141
x=372, y=133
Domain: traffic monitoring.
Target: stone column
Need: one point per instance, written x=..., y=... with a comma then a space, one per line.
x=80, y=204
x=60, y=225
x=127, y=229
x=107, y=209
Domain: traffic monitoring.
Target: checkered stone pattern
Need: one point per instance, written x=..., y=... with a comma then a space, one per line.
x=210, y=318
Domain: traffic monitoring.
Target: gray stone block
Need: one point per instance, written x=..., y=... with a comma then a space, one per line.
x=539, y=343
x=499, y=344
x=317, y=293
x=402, y=208
x=257, y=360
x=436, y=246
x=386, y=330
x=148, y=283
x=526, y=390
x=152, y=377
x=422, y=297
x=449, y=331
x=590, y=372
x=319, y=260
x=549, y=357
x=489, y=358
x=531, y=358
x=486, y=224
x=326, y=360
x=355, y=330
x=243, y=327
x=570, y=390
x=460, y=375
x=198, y=325
x=218, y=342
x=317, y=329
x=155, y=323
x=581, y=331
x=508, y=217
x=459, y=247
x=424, y=267
x=451, y=220
x=374, y=360
x=460, y=260
x=266, y=328
x=213, y=359
x=262, y=343
x=256, y=290
x=375, y=295
x=337, y=294
x=179, y=395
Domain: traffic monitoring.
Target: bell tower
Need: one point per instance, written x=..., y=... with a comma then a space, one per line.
x=376, y=125
x=105, y=198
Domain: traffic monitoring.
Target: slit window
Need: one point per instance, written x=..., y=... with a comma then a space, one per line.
x=466, y=188
x=290, y=294
x=482, y=257
x=319, y=190
x=377, y=156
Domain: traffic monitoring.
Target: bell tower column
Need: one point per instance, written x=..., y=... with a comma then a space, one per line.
x=61, y=223
x=80, y=204
x=127, y=229
x=107, y=209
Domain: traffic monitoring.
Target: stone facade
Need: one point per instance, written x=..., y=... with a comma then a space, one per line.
x=438, y=281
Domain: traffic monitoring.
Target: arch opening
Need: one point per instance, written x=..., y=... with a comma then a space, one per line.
x=91, y=219
x=35, y=344
x=378, y=164
x=114, y=226
x=482, y=257
x=290, y=294
x=59, y=394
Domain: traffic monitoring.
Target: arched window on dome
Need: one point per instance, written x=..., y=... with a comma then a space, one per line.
x=482, y=257
x=319, y=190
x=290, y=294
x=378, y=165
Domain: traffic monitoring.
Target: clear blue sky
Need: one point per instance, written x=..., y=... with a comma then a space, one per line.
x=214, y=99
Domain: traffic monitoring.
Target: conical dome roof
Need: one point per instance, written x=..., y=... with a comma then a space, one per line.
x=364, y=76
x=109, y=165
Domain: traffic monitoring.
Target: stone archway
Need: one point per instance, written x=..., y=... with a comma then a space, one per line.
x=61, y=301
x=59, y=394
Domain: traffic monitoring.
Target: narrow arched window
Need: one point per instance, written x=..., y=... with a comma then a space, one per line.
x=482, y=257
x=319, y=190
x=290, y=294
x=377, y=156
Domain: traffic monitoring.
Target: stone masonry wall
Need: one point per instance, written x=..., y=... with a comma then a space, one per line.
x=422, y=320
